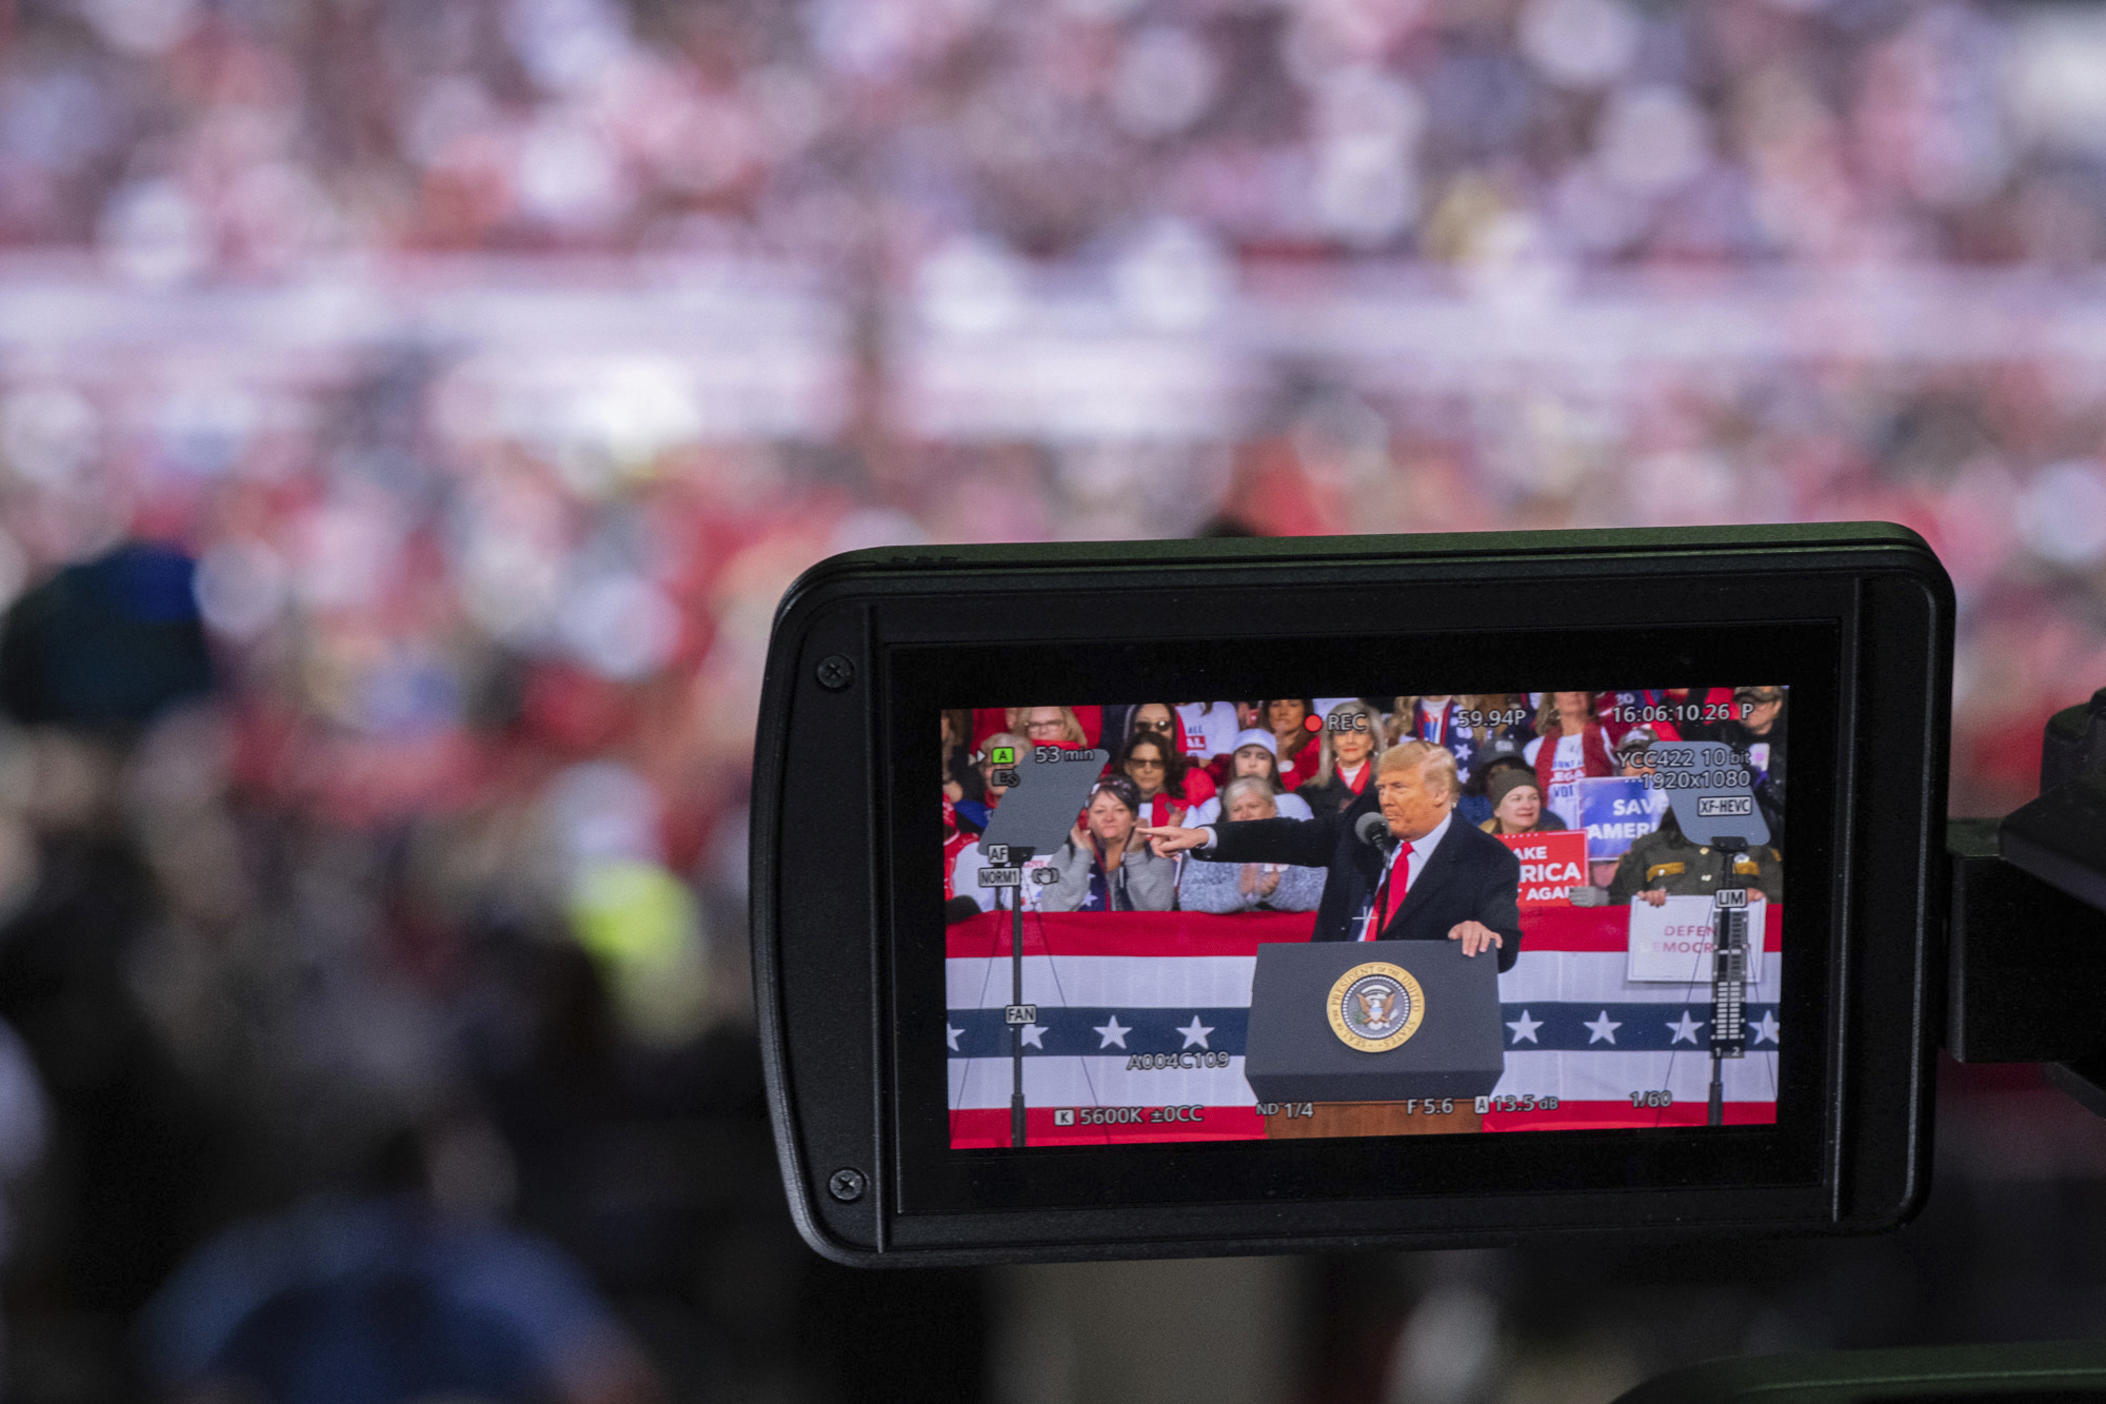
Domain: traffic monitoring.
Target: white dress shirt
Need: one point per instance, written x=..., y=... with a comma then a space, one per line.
x=1421, y=851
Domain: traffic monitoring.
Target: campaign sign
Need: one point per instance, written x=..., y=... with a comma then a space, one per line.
x=1616, y=811
x=1673, y=941
x=1552, y=865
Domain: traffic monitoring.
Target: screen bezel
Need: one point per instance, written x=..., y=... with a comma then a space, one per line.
x=1484, y=636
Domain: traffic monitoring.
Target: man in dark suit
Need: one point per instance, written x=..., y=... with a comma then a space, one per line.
x=1441, y=879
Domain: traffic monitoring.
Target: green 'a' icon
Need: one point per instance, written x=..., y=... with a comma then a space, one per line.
x=1005, y=755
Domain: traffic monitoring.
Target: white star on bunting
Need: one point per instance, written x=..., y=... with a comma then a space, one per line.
x=1034, y=1036
x=1767, y=1029
x=1112, y=1033
x=1687, y=1028
x=950, y=1034
x=1603, y=1029
x=1196, y=1032
x=1525, y=1027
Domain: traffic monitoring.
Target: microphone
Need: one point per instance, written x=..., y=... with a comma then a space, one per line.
x=1373, y=830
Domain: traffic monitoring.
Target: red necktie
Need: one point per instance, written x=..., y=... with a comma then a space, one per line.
x=1392, y=897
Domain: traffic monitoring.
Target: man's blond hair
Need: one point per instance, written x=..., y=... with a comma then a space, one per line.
x=1425, y=757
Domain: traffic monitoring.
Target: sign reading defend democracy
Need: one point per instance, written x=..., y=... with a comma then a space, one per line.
x=1552, y=864
x=1616, y=811
x=1673, y=941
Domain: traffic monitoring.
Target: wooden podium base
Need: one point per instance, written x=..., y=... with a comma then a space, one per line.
x=1375, y=1119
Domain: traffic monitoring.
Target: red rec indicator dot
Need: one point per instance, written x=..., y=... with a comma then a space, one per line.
x=1312, y=723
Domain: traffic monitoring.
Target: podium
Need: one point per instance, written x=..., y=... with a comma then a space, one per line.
x=1356, y=1038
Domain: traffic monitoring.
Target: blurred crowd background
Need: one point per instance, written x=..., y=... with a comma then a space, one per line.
x=469, y=379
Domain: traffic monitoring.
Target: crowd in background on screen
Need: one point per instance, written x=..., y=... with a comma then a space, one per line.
x=1199, y=763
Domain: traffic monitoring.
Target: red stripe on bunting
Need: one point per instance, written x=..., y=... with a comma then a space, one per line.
x=981, y=1127
x=1608, y=928
x=1598, y=929
x=986, y=1127
x=1607, y=1116
x=1129, y=933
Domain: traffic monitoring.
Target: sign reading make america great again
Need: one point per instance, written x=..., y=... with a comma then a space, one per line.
x=1552, y=864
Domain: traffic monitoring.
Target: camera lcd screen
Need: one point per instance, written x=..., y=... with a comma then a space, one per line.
x=1318, y=918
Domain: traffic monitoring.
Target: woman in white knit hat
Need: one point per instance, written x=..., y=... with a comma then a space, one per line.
x=1256, y=754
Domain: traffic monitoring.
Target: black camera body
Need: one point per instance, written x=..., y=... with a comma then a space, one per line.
x=894, y=1150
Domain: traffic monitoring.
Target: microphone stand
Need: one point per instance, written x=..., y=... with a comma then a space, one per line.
x=1020, y=857
x=1729, y=983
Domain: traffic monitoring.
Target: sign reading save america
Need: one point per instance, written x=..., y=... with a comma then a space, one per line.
x=1552, y=865
x=1617, y=811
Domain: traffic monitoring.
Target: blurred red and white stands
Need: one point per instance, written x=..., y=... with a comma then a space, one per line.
x=525, y=349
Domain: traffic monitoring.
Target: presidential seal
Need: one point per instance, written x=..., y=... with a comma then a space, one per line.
x=1376, y=1006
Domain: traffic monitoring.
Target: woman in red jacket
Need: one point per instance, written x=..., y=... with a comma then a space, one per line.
x=1166, y=782
x=1570, y=743
x=1287, y=719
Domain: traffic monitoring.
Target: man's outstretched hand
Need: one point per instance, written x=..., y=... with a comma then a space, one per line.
x=1166, y=839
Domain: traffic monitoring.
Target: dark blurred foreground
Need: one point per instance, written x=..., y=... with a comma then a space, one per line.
x=334, y=1119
